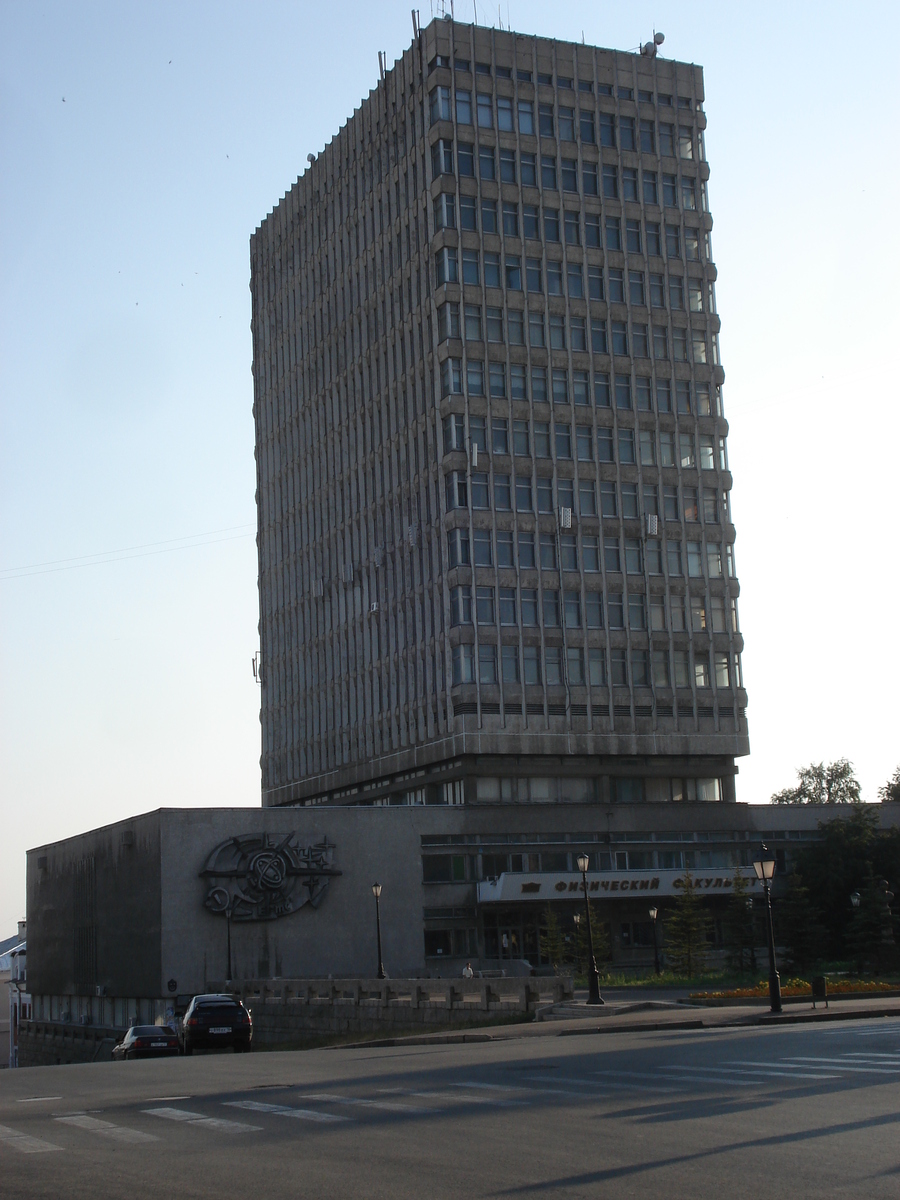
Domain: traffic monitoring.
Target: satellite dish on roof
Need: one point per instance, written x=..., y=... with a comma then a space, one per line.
x=310, y=158
x=659, y=38
x=650, y=49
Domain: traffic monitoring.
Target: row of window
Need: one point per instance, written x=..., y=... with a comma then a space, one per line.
x=504, y=606
x=523, y=168
x=575, y=666
x=674, y=449
x=641, y=135
x=543, y=222
x=545, y=79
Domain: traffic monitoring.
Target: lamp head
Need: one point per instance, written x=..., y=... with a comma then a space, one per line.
x=583, y=863
x=376, y=890
x=765, y=864
x=854, y=899
x=577, y=919
x=654, y=913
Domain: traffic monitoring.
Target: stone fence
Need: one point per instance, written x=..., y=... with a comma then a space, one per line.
x=289, y=1011
x=48, y=1043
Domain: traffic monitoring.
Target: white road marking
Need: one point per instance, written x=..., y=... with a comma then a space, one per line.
x=182, y=1114
x=456, y=1098
x=614, y=1082
x=491, y=1087
x=334, y=1098
x=843, y=1064
x=873, y=1055
x=747, y=1066
x=36, y=1099
x=284, y=1110
x=160, y=1099
x=24, y=1143
x=704, y=1075
x=117, y=1133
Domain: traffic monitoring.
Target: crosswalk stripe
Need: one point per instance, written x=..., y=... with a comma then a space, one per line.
x=334, y=1098
x=117, y=1133
x=284, y=1110
x=493, y=1087
x=629, y=1079
x=456, y=1098
x=192, y=1118
x=844, y=1065
x=704, y=1075
x=24, y=1142
x=887, y=1058
x=748, y=1067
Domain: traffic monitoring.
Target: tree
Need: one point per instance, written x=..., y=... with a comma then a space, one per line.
x=553, y=944
x=818, y=784
x=891, y=790
x=739, y=926
x=869, y=932
x=686, y=931
x=799, y=929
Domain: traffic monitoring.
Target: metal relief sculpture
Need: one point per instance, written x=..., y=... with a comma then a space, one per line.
x=257, y=878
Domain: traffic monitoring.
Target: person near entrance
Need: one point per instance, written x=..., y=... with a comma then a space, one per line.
x=468, y=973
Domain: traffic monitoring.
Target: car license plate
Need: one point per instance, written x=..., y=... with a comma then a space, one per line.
x=156, y=1045
x=220, y=1029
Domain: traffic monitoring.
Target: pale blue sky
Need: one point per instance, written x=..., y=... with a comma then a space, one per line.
x=126, y=388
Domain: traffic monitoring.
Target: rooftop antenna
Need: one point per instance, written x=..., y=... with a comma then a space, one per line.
x=651, y=49
x=415, y=21
x=381, y=58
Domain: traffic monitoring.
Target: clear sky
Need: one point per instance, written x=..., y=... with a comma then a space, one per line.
x=142, y=144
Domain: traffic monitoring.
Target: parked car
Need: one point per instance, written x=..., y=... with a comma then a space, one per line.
x=147, y=1041
x=215, y=1022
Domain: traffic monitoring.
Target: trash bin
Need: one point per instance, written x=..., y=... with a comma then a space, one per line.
x=819, y=989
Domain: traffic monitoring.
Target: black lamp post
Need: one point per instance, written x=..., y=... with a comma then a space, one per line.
x=376, y=892
x=765, y=871
x=594, y=996
x=654, y=913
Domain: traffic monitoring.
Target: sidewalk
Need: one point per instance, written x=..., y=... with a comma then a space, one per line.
x=650, y=1014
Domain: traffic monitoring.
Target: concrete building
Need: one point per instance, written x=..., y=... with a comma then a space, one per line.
x=13, y=974
x=496, y=557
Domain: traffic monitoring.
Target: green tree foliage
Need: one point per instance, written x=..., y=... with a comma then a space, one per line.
x=891, y=790
x=553, y=943
x=686, y=931
x=739, y=927
x=869, y=926
x=821, y=784
x=798, y=927
x=849, y=850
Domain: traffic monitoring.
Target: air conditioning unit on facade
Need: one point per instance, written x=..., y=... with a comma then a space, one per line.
x=565, y=518
x=652, y=526
x=374, y=606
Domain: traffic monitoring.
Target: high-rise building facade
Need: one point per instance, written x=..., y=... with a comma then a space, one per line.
x=496, y=556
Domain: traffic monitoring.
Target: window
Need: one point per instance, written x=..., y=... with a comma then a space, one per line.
x=682, y=668
x=463, y=107
x=554, y=278
x=679, y=344
x=467, y=213
x=673, y=559
x=502, y=497
x=484, y=605
x=444, y=212
x=613, y=233
x=651, y=192
x=530, y=226
x=601, y=390
x=627, y=138
x=685, y=141
x=648, y=448
x=610, y=182
x=517, y=389
x=536, y=329
x=557, y=331
x=551, y=224
x=491, y=269
x=545, y=120
x=592, y=238
x=654, y=244
x=548, y=552
x=513, y=272
x=572, y=600
x=648, y=137
x=572, y=228
x=714, y=560
x=686, y=450
x=717, y=614
x=484, y=556
x=475, y=377
x=531, y=663
x=451, y=376
x=586, y=124
x=657, y=292
x=676, y=291
x=523, y=493
x=470, y=266
x=640, y=668
x=587, y=497
x=486, y=164
x=607, y=129
x=630, y=510
x=599, y=343
x=439, y=109
x=499, y=428
x=691, y=245
x=636, y=287
x=721, y=666
x=589, y=179
x=542, y=439
x=619, y=664
x=633, y=236
x=616, y=287
x=550, y=609
x=579, y=378
x=667, y=140
x=528, y=169
x=504, y=114
x=623, y=389
x=521, y=440
x=608, y=499
x=494, y=322
x=448, y=321
x=510, y=219
x=689, y=502
x=653, y=556
x=667, y=452
x=634, y=559
x=463, y=664
x=458, y=547
x=698, y=614
x=605, y=446
x=698, y=345
x=576, y=325
x=487, y=664
x=477, y=434
x=548, y=171
x=507, y=166
x=465, y=159
x=596, y=667
x=553, y=665
x=575, y=666
x=695, y=296
x=611, y=557
x=480, y=497
x=566, y=124
x=526, y=551
x=526, y=116
x=509, y=655
x=688, y=195
x=484, y=109
x=569, y=175
x=619, y=337
x=473, y=322
x=670, y=191
x=694, y=559
x=701, y=671
x=461, y=606
x=630, y=184
x=673, y=241
x=710, y=502
x=445, y=266
x=563, y=441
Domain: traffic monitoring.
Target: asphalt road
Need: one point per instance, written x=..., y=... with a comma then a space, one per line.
x=791, y=1111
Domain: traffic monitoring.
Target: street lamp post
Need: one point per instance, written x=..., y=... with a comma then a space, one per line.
x=376, y=892
x=654, y=913
x=594, y=996
x=765, y=871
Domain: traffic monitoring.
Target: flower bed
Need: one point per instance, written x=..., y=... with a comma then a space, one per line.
x=798, y=987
